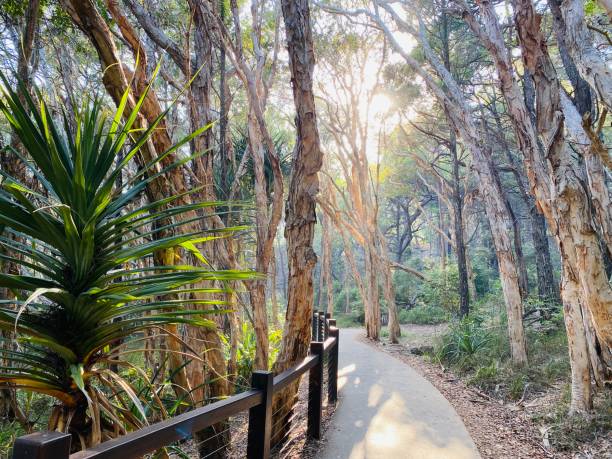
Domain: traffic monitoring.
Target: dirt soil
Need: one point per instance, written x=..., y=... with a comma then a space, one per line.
x=499, y=430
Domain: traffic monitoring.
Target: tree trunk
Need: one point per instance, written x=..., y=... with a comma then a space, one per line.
x=582, y=399
x=591, y=64
x=300, y=210
x=257, y=290
x=89, y=20
x=547, y=289
x=326, y=263
x=389, y=292
x=442, y=241
x=458, y=227
x=554, y=182
x=372, y=307
x=582, y=90
x=457, y=198
x=578, y=240
x=490, y=189
x=273, y=296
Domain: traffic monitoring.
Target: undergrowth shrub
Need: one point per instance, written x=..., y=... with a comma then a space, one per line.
x=351, y=320
x=423, y=315
x=441, y=289
x=245, y=354
x=462, y=341
x=567, y=433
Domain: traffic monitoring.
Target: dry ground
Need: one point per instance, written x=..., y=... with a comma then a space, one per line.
x=499, y=430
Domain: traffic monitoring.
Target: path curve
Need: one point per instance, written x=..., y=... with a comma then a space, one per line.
x=387, y=410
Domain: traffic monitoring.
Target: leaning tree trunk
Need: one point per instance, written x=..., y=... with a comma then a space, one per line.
x=578, y=240
x=300, y=211
x=460, y=118
x=257, y=288
x=462, y=122
x=555, y=182
x=89, y=20
x=384, y=268
x=590, y=62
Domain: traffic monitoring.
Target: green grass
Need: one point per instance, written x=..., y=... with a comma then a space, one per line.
x=568, y=433
x=351, y=320
x=9, y=431
x=423, y=315
x=478, y=350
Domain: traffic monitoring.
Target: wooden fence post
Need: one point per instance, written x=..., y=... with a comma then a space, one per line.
x=260, y=417
x=332, y=366
x=315, y=392
x=42, y=445
x=315, y=325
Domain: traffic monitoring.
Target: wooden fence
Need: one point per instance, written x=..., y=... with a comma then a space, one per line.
x=257, y=400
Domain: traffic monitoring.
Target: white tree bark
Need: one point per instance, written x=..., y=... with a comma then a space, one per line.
x=590, y=62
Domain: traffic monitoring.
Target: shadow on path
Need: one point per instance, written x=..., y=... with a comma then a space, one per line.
x=387, y=410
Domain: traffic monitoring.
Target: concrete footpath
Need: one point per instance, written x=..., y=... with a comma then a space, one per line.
x=386, y=410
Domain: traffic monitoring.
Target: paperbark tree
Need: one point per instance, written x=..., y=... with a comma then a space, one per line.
x=348, y=100
x=460, y=118
x=547, y=290
x=86, y=16
x=256, y=84
x=195, y=62
x=300, y=218
x=590, y=62
x=555, y=183
x=9, y=409
x=300, y=212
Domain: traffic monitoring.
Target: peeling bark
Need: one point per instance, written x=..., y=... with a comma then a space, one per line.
x=591, y=64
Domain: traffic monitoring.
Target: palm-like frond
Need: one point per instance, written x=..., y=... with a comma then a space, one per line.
x=81, y=239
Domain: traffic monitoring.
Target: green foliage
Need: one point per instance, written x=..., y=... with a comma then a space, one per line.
x=83, y=244
x=441, y=289
x=478, y=347
x=351, y=320
x=567, y=433
x=245, y=355
x=240, y=147
x=547, y=314
x=423, y=315
x=407, y=288
x=593, y=8
x=354, y=300
x=9, y=432
x=462, y=341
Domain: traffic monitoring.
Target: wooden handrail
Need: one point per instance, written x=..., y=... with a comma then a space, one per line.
x=55, y=445
x=328, y=343
x=158, y=435
x=285, y=378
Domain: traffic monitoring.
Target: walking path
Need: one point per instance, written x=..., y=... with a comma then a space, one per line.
x=386, y=410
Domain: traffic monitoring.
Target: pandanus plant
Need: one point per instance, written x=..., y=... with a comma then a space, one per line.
x=85, y=245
